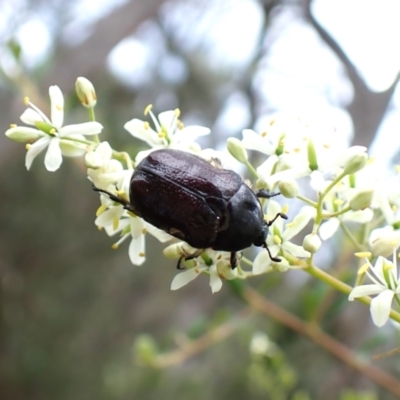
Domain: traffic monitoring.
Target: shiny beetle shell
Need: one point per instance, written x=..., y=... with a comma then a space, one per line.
x=205, y=206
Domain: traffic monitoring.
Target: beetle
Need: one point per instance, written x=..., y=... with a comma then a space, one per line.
x=197, y=202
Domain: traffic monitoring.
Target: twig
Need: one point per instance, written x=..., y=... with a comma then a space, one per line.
x=266, y=307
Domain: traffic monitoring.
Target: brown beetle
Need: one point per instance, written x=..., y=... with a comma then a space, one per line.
x=205, y=206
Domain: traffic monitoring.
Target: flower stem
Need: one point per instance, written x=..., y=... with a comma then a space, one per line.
x=251, y=169
x=93, y=118
x=342, y=287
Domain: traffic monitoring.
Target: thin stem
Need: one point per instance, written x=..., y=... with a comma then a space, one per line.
x=83, y=141
x=271, y=310
x=192, y=347
x=353, y=240
x=337, y=213
x=342, y=287
x=92, y=117
x=251, y=169
x=307, y=201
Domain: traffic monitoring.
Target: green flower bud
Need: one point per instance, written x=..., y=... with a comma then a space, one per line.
x=312, y=243
x=85, y=92
x=361, y=200
x=236, y=148
x=45, y=127
x=288, y=188
x=312, y=156
x=355, y=163
x=145, y=349
x=23, y=135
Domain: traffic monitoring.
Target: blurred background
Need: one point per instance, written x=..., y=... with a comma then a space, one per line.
x=73, y=311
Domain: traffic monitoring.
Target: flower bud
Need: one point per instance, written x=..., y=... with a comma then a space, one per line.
x=225, y=270
x=23, y=135
x=312, y=243
x=355, y=163
x=85, y=92
x=288, y=188
x=173, y=251
x=383, y=240
x=145, y=349
x=361, y=200
x=237, y=150
x=312, y=156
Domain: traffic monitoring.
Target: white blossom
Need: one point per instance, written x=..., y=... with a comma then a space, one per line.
x=279, y=238
x=219, y=269
x=168, y=132
x=385, y=286
x=53, y=135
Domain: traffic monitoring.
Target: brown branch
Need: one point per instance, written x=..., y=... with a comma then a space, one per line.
x=368, y=108
x=268, y=308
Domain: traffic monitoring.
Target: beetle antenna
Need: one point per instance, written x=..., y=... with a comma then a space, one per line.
x=282, y=215
x=265, y=194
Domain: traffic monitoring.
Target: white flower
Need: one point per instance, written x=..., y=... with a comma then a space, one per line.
x=334, y=201
x=168, y=133
x=279, y=237
x=115, y=219
x=104, y=170
x=299, y=149
x=53, y=134
x=386, y=286
x=220, y=269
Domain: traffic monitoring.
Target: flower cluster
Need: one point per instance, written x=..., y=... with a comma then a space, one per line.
x=337, y=188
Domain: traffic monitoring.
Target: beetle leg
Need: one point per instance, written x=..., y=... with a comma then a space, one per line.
x=265, y=194
x=275, y=259
x=269, y=223
x=234, y=259
x=187, y=257
x=178, y=266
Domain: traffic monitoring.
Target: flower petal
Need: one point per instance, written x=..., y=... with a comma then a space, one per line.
x=136, y=250
x=262, y=263
x=189, y=134
x=365, y=290
x=24, y=134
x=295, y=250
x=167, y=120
x=30, y=116
x=158, y=233
x=381, y=306
x=35, y=149
x=329, y=228
x=185, y=277
x=360, y=216
x=57, y=106
x=253, y=141
x=215, y=280
x=53, y=157
x=86, y=128
x=137, y=225
x=73, y=149
x=137, y=128
x=299, y=222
